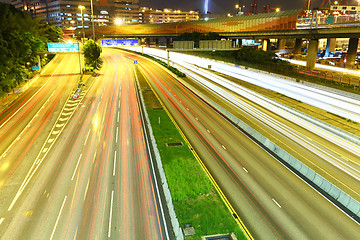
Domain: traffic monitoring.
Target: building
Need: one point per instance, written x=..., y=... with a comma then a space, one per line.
x=149, y=15
x=67, y=14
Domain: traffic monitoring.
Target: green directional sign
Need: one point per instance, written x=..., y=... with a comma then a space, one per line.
x=63, y=47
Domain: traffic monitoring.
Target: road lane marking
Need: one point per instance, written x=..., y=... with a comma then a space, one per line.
x=28, y=102
x=57, y=220
x=197, y=119
x=28, y=125
x=208, y=130
x=276, y=203
x=87, y=186
x=76, y=167
x=114, y=164
x=111, y=206
x=87, y=137
x=66, y=114
x=117, y=133
x=1, y=220
x=223, y=147
x=118, y=116
x=245, y=170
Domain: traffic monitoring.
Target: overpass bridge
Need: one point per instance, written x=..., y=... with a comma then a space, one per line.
x=278, y=25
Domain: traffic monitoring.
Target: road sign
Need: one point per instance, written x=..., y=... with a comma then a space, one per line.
x=119, y=42
x=63, y=47
x=35, y=68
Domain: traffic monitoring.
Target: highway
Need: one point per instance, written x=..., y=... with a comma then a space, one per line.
x=272, y=201
x=330, y=155
x=340, y=104
x=90, y=176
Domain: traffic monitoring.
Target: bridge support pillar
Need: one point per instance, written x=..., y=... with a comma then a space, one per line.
x=297, y=47
x=312, y=53
x=168, y=42
x=281, y=44
x=147, y=42
x=330, y=46
x=351, y=53
x=265, y=45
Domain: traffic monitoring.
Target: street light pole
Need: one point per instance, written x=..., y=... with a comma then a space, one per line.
x=92, y=19
x=82, y=22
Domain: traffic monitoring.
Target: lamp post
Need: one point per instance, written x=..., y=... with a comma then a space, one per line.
x=92, y=19
x=82, y=22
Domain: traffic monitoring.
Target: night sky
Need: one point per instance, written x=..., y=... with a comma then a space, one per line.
x=225, y=6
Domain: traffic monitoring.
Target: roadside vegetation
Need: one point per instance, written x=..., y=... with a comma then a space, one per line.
x=195, y=199
x=267, y=61
x=92, y=53
x=21, y=37
x=171, y=68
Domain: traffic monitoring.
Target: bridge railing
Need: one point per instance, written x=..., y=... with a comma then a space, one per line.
x=327, y=20
x=329, y=76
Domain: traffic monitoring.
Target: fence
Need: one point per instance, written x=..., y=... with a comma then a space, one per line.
x=329, y=76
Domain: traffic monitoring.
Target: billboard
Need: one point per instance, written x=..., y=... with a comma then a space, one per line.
x=250, y=42
x=119, y=42
x=63, y=47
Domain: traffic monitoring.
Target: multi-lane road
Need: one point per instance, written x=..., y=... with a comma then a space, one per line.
x=80, y=169
x=87, y=173
x=272, y=201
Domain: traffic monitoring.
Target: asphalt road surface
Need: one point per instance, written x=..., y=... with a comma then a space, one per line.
x=271, y=200
x=89, y=176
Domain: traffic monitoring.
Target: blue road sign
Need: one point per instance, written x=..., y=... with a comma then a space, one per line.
x=35, y=68
x=63, y=47
x=119, y=42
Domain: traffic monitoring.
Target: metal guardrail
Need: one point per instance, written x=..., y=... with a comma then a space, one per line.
x=329, y=76
x=329, y=190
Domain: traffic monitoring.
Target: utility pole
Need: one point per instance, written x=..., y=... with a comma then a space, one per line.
x=92, y=19
x=82, y=22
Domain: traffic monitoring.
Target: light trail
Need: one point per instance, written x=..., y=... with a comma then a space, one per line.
x=344, y=106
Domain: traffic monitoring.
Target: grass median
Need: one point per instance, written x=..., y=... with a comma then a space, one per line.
x=195, y=200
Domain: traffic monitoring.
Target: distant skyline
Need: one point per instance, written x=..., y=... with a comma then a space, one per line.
x=226, y=6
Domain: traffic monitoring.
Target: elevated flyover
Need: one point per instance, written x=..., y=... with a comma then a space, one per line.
x=279, y=25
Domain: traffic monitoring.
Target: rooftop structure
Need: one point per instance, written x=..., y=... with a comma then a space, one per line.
x=67, y=14
x=149, y=15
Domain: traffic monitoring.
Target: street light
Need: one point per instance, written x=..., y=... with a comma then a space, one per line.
x=92, y=19
x=118, y=21
x=277, y=9
x=82, y=22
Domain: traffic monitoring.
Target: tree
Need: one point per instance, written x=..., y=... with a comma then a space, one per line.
x=91, y=51
x=21, y=37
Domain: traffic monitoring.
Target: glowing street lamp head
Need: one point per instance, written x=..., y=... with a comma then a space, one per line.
x=81, y=7
x=118, y=21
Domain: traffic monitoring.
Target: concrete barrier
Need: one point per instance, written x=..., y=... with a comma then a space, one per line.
x=333, y=193
x=174, y=221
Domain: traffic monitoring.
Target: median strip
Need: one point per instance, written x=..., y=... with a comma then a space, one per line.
x=191, y=191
